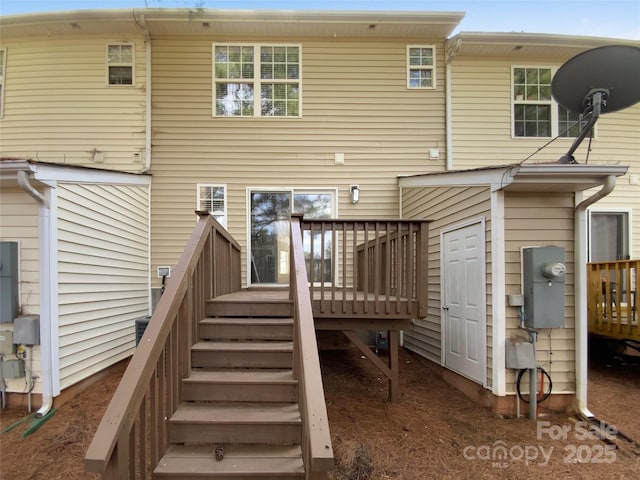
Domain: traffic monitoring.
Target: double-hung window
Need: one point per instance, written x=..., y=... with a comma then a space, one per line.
x=535, y=113
x=3, y=54
x=212, y=199
x=256, y=80
x=421, y=66
x=120, y=64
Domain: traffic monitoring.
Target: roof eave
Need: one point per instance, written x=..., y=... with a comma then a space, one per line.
x=537, y=177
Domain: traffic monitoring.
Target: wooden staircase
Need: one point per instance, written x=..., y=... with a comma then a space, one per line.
x=239, y=416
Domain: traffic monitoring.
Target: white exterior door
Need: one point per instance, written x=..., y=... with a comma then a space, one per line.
x=463, y=301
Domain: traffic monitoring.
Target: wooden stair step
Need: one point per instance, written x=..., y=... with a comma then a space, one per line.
x=271, y=423
x=240, y=386
x=232, y=328
x=242, y=307
x=242, y=354
x=240, y=462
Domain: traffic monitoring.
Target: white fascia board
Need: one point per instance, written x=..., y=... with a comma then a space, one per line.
x=462, y=178
x=574, y=177
x=48, y=174
x=44, y=173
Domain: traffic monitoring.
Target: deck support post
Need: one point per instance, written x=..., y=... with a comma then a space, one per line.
x=394, y=366
x=391, y=371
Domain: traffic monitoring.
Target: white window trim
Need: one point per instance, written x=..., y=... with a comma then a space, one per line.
x=132, y=64
x=257, y=81
x=3, y=80
x=625, y=210
x=199, y=199
x=421, y=67
x=554, y=106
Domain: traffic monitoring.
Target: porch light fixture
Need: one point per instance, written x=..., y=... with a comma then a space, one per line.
x=355, y=193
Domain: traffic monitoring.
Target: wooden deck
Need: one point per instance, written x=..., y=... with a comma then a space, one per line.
x=332, y=309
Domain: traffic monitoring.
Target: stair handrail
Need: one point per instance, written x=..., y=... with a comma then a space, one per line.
x=317, y=449
x=135, y=422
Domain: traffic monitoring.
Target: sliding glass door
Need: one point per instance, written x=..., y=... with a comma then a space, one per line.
x=269, y=228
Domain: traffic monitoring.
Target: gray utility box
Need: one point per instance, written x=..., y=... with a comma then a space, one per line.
x=8, y=281
x=519, y=354
x=26, y=330
x=543, y=272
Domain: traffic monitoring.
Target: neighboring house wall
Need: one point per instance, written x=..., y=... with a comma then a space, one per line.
x=103, y=267
x=19, y=223
x=59, y=108
x=355, y=101
x=481, y=112
x=446, y=207
x=533, y=220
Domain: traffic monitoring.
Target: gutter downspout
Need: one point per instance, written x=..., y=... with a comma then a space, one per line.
x=581, y=319
x=44, y=224
x=449, y=133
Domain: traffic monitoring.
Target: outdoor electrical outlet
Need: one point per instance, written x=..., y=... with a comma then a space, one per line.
x=164, y=271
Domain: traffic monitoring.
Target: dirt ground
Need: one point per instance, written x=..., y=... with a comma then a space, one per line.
x=434, y=432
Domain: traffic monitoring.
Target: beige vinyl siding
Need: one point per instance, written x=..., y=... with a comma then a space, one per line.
x=19, y=223
x=542, y=220
x=103, y=266
x=58, y=107
x=481, y=121
x=446, y=207
x=354, y=101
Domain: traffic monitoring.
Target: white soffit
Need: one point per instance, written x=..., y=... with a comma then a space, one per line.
x=200, y=21
x=527, y=178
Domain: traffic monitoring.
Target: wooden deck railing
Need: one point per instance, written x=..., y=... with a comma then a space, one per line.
x=366, y=268
x=612, y=302
x=132, y=436
x=317, y=450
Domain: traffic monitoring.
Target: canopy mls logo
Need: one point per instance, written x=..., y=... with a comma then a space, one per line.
x=501, y=455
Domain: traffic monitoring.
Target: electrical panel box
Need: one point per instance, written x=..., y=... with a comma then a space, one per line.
x=9, y=299
x=12, y=368
x=6, y=342
x=543, y=273
x=26, y=330
x=519, y=354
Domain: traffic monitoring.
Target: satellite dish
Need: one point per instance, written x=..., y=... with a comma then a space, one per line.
x=601, y=80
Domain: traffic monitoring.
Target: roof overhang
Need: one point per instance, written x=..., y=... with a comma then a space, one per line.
x=525, y=46
x=201, y=21
x=51, y=173
x=521, y=178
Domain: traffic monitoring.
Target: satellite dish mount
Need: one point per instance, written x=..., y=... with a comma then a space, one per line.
x=610, y=77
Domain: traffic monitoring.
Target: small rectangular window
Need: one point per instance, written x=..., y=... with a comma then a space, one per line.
x=120, y=64
x=421, y=66
x=213, y=199
x=3, y=54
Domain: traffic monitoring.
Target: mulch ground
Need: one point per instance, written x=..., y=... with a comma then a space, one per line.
x=433, y=432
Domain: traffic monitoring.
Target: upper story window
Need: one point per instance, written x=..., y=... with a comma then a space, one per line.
x=257, y=80
x=3, y=54
x=212, y=199
x=421, y=66
x=535, y=113
x=120, y=64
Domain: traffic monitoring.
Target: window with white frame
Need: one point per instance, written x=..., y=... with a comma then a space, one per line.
x=120, y=64
x=535, y=113
x=609, y=235
x=421, y=66
x=213, y=199
x=3, y=54
x=256, y=80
